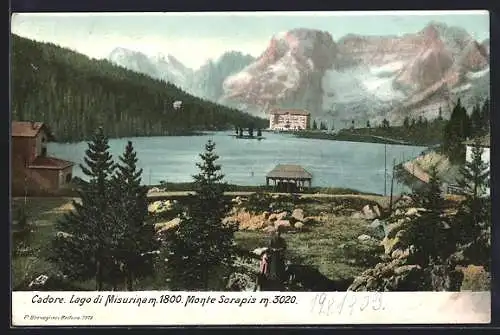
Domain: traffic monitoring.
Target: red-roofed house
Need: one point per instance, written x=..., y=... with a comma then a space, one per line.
x=32, y=170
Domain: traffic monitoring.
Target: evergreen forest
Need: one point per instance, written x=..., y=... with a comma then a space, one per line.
x=75, y=94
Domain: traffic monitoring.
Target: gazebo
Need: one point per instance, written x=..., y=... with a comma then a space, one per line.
x=286, y=174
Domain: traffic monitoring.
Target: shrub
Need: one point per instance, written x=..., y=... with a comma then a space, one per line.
x=476, y=279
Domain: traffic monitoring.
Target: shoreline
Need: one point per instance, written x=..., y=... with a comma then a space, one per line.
x=360, y=138
x=315, y=135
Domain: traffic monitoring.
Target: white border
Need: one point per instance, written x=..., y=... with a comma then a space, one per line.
x=245, y=309
x=263, y=13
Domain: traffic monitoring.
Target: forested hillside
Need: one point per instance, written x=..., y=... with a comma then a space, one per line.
x=74, y=94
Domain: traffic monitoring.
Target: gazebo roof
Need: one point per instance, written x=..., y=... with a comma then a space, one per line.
x=289, y=171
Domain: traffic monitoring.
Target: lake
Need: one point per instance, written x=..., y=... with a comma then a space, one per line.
x=353, y=165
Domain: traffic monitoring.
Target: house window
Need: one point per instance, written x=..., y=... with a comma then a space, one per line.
x=68, y=177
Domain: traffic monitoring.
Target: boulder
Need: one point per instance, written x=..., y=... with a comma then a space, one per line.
x=283, y=224
x=391, y=276
x=364, y=237
x=399, y=254
x=161, y=206
x=375, y=223
x=41, y=280
x=63, y=234
x=298, y=225
x=298, y=214
x=414, y=211
x=390, y=244
x=281, y=216
x=404, y=269
x=369, y=213
x=391, y=229
x=403, y=202
x=165, y=226
x=259, y=251
x=378, y=228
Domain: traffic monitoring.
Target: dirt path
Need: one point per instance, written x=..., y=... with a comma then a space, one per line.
x=66, y=205
x=378, y=198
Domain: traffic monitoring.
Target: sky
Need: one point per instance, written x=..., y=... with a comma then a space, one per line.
x=195, y=38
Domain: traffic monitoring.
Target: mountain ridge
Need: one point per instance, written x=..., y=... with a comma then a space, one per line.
x=384, y=76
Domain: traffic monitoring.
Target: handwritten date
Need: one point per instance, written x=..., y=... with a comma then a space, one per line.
x=348, y=303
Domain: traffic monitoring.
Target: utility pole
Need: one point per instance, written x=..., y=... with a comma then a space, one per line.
x=385, y=170
x=392, y=184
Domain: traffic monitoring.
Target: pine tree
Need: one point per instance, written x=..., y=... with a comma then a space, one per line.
x=473, y=221
x=476, y=121
x=385, y=123
x=314, y=125
x=485, y=116
x=84, y=244
x=406, y=122
x=203, y=244
x=456, y=131
x=129, y=215
x=429, y=233
x=420, y=121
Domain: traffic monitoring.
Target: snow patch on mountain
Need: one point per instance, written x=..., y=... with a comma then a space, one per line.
x=461, y=88
x=355, y=83
x=387, y=69
x=478, y=74
x=157, y=66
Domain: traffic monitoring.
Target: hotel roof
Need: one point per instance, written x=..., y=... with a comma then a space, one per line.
x=289, y=111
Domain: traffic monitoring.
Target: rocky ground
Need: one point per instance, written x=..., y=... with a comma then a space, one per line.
x=341, y=243
x=334, y=243
x=330, y=239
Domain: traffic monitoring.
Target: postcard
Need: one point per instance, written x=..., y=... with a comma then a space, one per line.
x=212, y=168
